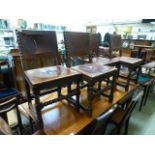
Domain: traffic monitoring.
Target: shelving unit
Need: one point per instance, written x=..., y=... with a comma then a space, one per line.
x=7, y=38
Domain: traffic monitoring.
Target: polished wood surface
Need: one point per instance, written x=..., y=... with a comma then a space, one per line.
x=122, y=59
x=51, y=79
x=92, y=73
x=130, y=63
x=61, y=118
x=47, y=74
x=130, y=60
x=93, y=70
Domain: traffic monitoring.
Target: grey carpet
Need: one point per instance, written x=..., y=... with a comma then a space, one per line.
x=143, y=122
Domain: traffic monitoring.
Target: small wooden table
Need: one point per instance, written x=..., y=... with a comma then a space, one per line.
x=93, y=73
x=45, y=78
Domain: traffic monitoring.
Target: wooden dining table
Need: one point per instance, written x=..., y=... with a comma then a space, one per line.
x=63, y=119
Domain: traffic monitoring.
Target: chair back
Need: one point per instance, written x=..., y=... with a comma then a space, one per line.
x=5, y=77
x=115, y=44
x=77, y=45
x=99, y=125
x=130, y=103
x=101, y=121
x=94, y=44
x=38, y=49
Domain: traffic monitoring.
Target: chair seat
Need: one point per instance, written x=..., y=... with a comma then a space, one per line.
x=8, y=92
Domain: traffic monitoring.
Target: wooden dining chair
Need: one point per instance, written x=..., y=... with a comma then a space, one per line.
x=9, y=100
x=28, y=113
x=5, y=129
x=38, y=49
x=145, y=89
x=77, y=48
x=121, y=116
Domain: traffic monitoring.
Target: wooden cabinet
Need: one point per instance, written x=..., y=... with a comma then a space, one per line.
x=18, y=73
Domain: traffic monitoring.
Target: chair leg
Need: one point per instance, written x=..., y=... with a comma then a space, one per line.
x=19, y=122
x=19, y=116
x=126, y=126
x=146, y=96
x=143, y=99
x=31, y=125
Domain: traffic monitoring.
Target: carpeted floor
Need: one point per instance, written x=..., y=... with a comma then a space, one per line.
x=143, y=122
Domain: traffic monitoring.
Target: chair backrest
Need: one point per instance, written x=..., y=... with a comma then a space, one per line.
x=77, y=45
x=130, y=104
x=5, y=78
x=101, y=121
x=115, y=44
x=99, y=125
x=38, y=48
x=94, y=44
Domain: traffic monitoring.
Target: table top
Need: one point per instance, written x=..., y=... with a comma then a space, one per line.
x=93, y=69
x=149, y=65
x=130, y=60
x=62, y=119
x=107, y=61
x=48, y=74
